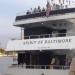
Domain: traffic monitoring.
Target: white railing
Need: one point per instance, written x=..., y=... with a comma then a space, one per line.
x=49, y=35
x=45, y=36
x=62, y=67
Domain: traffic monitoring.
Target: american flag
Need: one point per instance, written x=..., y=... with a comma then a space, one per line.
x=48, y=8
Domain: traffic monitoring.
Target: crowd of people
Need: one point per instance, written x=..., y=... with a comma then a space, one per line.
x=35, y=10
x=39, y=9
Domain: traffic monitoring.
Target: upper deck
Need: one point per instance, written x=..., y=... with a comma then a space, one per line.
x=39, y=17
x=43, y=13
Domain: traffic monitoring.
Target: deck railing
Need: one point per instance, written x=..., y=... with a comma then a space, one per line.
x=62, y=67
x=49, y=35
x=45, y=36
x=23, y=15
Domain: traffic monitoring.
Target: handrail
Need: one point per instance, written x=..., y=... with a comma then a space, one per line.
x=49, y=35
x=22, y=16
x=24, y=13
x=62, y=67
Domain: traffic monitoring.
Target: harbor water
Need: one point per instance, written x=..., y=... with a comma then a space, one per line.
x=4, y=63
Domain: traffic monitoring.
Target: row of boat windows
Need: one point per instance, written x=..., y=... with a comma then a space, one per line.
x=43, y=32
x=42, y=60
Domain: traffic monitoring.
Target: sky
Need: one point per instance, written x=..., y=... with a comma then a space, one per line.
x=8, y=11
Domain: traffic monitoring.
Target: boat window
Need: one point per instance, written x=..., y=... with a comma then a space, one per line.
x=42, y=60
